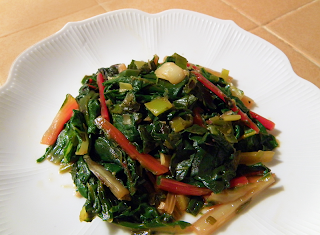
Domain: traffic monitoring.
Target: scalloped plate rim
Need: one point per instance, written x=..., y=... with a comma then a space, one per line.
x=169, y=11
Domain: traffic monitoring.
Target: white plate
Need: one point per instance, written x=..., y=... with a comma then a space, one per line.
x=36, y=199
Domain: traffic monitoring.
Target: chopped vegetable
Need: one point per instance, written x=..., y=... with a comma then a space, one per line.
x=178, y=123
x=108, y=179
x=239, y=181
x=124, y=87
x=170, y=203
x=171, y=72
x=224, y=74
x=104, y=109
x=182, y=202
x=248, y=102
x=64, y=114
x=177, y=187
x=158, y=105
x=231, y=118
x=255, y=157
x=265, y=122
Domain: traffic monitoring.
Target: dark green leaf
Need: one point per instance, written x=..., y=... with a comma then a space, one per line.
x=80, y=175
x=195, y=205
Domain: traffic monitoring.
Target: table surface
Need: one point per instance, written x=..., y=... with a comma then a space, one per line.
x=291, y=25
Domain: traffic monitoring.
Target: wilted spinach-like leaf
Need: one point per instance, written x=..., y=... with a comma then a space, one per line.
x=107, y=150
x=195, y=205
x=80, y=175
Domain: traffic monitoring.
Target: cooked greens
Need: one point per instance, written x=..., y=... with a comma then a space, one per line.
x=171, y=129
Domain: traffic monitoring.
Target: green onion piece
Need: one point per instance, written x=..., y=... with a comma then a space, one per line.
x=231, y=118
x=248, y=133
x=124, y=87
x=158, y=105
x=139, y=64
x=225, y=74
x=178, y=124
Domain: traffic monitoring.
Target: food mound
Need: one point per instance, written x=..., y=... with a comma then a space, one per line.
x=149, y=142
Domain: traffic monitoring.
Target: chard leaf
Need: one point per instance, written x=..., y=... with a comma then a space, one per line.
x=90, y=107
x=93, y=112
x=196, y=129
x=80, y=175
x=182, y=162
x=148, y=143
x=245, y=169
x=215, y=171
x=183, y=168
x=113, y=168
x=105, y=203
x=127, y=127
x=219, y=179
x=195, y=205
x=178, y=60
x=130, y=169
x=99, y=200
x=107, y=150
x=265, y=142
x=185, y=102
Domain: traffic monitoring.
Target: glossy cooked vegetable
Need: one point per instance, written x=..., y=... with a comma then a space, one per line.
x=60, y=119
x=150, y=142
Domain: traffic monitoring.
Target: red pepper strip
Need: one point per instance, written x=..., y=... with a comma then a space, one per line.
x=64, y=115
x=247, y=121
x=193, y=66
x=104, y=109
x=265, y=122
x=239, y=181
x=244, y=117
x=146, y=160
x=91, y=86
x=177, y=187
